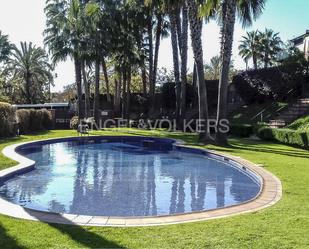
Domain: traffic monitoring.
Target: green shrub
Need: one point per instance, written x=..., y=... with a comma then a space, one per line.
x=241, y=130
x=47, y=119
x=23, y=119
x=260, y=125
x=34, y=120
x=301, y=124
x=7, y=119
x=285, y=136
x=74, y=123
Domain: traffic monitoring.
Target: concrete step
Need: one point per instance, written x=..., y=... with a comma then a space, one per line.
x=291, y=113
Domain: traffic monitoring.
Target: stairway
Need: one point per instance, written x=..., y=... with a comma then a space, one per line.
x=291, y=113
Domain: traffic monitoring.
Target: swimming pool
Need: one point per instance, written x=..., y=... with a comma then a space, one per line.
x=127, y=177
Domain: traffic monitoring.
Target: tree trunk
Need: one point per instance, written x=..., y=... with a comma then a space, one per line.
x=86, y=90
x=179, y=29
x=254, y=62
x=124, y=90
x=174, y=41
x=108, y=95
x=96, y=107
x=194, y=78
x=151, y=86
x=157, y=47
x=144, y=81
x=78, y=80
x=266, y=60
x=196, y=40
x=229, y=16
x=128, y=94
x=28, y=89
x=184, y=60
x=117, y=96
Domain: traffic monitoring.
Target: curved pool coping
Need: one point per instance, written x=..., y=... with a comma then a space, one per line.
x=270, y=193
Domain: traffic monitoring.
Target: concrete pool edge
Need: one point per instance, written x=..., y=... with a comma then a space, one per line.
x=271, y=193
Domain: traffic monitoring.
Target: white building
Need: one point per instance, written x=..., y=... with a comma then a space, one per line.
x=302, y=43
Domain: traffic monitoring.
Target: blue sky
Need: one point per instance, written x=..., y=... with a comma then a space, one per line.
x=289, y=17
x=24, y=20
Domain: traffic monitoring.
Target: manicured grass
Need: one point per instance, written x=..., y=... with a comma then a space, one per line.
x=285, y=225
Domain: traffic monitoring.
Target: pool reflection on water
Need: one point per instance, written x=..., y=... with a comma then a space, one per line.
x=125, y=179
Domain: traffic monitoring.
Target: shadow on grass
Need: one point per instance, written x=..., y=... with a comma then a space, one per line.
x=237, y=144
x=79, y=234
x=264, y=147
x=6, y=241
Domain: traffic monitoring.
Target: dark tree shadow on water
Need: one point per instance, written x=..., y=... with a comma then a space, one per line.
x=7, y=241
x=79, y=234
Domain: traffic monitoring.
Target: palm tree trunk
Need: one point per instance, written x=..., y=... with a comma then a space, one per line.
x=174, y=41
x=179, y=28
x=151, y=86
x=194, y=76
x=96, y=107
x=117, y=96
x=254, y=62
x=227, y=30
x=184, y=60
x=196, y=40
x=78, y=80
x=144, y=80
x=124, y=90
x=108, y=95
x=157, y=47
x=28, y=90
x=128, y=95
x=86, y=90
x=266, y=60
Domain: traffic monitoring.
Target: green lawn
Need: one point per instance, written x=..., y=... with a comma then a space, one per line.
x=285, y=225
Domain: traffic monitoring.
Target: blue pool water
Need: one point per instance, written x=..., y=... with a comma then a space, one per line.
x=126, y=177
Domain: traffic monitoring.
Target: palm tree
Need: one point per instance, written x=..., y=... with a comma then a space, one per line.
x=227, y=10
x=161, y=31
x=270, y=46
x=227, y=32
x=92, y=19
x=86, y=82
x=184, y=58
x=196, y=40
x=174, y=42
x=31, y=69
x=5, y=47
x=249, y=48
x=63, y=36
x=106, y=78
x=212, y=69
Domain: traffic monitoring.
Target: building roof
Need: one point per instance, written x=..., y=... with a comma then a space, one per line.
x=299, y=39
x=45, y=105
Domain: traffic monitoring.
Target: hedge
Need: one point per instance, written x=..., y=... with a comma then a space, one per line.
x=34, y=120
x=7, y=119
x=23, y=119
x=276, y=83
x=285, y=136
x=241, y=130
